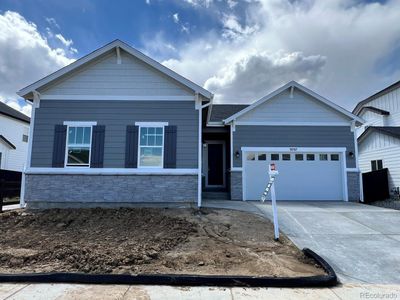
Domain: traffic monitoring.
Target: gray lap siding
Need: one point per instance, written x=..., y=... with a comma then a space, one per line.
x=116, y=115
x=293, y=136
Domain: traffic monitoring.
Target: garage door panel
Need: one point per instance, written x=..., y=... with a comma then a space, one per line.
x=297, y=180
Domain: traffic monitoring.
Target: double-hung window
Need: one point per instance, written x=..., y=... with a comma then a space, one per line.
x=151, y=145
x=79, y=138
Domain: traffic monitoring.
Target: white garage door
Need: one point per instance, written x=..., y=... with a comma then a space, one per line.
x=302, y=176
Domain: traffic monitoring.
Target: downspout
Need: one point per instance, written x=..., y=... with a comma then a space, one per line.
x=35, y=104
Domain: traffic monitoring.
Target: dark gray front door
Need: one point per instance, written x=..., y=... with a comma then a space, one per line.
x=215, y=165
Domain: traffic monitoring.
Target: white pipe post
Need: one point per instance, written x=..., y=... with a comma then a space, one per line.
x=274, y=212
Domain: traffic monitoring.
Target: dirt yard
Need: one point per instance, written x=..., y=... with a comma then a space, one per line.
x=144, y=240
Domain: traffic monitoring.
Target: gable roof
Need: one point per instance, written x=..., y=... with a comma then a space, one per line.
x=7, y=142
x=302, y=88
x=393, y=131
x=386, y=90
x=26, y=92
x=219, y=112
x=12, y=113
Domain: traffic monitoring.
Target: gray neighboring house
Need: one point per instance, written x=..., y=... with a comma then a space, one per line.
x=116, y=127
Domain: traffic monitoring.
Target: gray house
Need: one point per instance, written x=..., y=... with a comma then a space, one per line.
x=118, y=127
x=311, y=140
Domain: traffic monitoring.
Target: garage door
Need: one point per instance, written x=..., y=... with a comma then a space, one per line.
x=302, y=176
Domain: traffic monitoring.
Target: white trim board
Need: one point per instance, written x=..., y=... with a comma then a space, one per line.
x=151, y=124
x=255, y=123
x=109, y=171
x=293, y=149
x=294, y=84
x=109, y=47
x=80, y=123
x=116, y=98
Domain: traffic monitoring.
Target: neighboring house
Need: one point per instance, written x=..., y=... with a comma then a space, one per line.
x=116, y=127
x=14, y=131
x=310, y=139
x=379, y=137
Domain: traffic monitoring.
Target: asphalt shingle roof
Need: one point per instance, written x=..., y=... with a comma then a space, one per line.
x=220, y=112
x=9, y=111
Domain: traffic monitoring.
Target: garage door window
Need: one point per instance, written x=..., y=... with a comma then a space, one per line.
x=274, y=156
x=299, y=157
x=310, y=156
x=251, y=156
x=262, y=156
x=335, y=157
x=285, y=156
x=323, y=157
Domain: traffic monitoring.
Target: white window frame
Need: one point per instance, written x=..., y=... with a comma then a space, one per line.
x=155, y=125
x=78, y=124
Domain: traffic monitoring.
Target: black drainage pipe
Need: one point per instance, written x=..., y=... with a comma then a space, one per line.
x=185, y=280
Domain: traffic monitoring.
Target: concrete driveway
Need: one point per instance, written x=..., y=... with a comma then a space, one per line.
x=361, y=242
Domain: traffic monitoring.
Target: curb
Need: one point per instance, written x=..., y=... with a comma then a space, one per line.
x=328, y=280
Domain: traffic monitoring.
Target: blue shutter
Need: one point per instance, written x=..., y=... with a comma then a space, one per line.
x=170, y=141
x=97, y=151
x=131, y=146
x=60, y=139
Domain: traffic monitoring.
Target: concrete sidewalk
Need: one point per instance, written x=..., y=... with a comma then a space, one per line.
x=105, y=292
x=361, y=242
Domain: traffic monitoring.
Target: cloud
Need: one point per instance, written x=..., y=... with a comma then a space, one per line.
x=335, y=47
x=184, y=26
x=148, y=2
x=253, y=75
x=175, y=17
x=199, y=3
x=63, y=40
x=25, y=57
x=52, y=22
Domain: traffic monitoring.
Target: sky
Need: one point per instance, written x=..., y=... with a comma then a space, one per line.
x=240, y=50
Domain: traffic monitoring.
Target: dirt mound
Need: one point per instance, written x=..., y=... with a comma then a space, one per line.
x=145, y=240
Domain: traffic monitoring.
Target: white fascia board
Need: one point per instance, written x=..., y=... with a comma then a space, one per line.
x=215, y=124
x=117, y=43
x=302, y=88
x=255, y=123
x=236, y=169
x=294, y=149
x=210, y=107
x=151, y=124
x=109, y=171
x=116, y=97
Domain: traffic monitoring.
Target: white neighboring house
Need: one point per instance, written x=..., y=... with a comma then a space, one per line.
x=14, y=131
x=379, y=137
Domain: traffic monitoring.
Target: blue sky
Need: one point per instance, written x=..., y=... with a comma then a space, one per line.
x=239, y=50
x=93, y=23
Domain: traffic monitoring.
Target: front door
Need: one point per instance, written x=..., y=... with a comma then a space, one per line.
x=215, y=158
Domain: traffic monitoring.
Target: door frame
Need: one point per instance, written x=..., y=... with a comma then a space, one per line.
x=221, y=142
x=341, y=150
